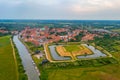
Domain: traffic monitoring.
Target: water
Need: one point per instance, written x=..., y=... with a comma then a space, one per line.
x=55, y=55
x=27, y=61
x=96, y=52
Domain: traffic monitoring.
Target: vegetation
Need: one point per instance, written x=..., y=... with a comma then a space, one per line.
x=78, y=69
x=92, y=69
x=95, y=69
x=8, y=68
x=22, y=75
x=33, y=48
x=78, y=37
x=75, y=70
x=72, y=48
x=4, y=34
x=61, y=33
x=116, y=30
x=89, y=69
x=62, y=51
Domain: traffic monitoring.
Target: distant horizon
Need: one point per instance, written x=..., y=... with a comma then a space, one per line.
x=69, y=19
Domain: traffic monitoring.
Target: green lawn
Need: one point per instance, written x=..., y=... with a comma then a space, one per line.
x=108, y=72
x=7, y=63
x=72, y=48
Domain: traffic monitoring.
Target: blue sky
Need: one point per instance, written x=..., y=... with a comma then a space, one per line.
x=60, y=9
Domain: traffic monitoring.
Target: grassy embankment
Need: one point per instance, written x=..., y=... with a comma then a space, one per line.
x=8, y=68
x=10, y=63
x=21, y=71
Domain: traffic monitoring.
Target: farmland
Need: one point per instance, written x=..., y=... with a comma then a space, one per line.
x=106, y=72
x=116, y=30
x=8, y=68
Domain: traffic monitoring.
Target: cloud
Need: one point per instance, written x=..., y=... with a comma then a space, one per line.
x=60, y=9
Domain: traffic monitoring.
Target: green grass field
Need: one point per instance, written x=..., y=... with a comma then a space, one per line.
x=72, y=48
x=7, y=63
x=116, y=30
x=108, y=72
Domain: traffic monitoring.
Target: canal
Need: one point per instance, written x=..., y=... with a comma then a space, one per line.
x=55, y=55
x=27, y=61
x=96, y=53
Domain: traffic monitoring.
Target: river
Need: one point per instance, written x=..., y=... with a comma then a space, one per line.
x=27, y=61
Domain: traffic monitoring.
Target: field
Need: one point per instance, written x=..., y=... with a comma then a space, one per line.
x=62, y=51
x=7, y=64
x=73, y=50
x=116, y=30
x=108, y=72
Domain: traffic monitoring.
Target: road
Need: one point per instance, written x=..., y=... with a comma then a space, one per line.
x=27, y=61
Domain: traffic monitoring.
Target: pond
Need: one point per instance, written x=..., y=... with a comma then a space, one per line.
x=55, y=55
x=96, y=53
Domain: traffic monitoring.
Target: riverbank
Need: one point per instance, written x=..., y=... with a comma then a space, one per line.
x=22, y=75
x=26, y=60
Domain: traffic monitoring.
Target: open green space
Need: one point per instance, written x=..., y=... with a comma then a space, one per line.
x=72, y=48
x=82, y=70
x=8, y=67
x=108, y=72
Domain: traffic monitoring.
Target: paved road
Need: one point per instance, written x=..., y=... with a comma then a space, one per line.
x=27, y=61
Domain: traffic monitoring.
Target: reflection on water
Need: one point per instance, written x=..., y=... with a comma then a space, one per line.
x=26, y=60
x=96, y=53
x=55, y=55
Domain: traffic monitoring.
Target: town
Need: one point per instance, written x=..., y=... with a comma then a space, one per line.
x=39, y=36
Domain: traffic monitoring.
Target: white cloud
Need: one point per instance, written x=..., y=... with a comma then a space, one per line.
x=59, y=8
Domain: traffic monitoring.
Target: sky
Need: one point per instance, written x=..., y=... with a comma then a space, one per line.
x=60, y=9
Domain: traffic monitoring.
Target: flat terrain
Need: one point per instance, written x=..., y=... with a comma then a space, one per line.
x=62, y=51
x=7, y=63
x=116, y=30
x=108, y=72
x=73, y=50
